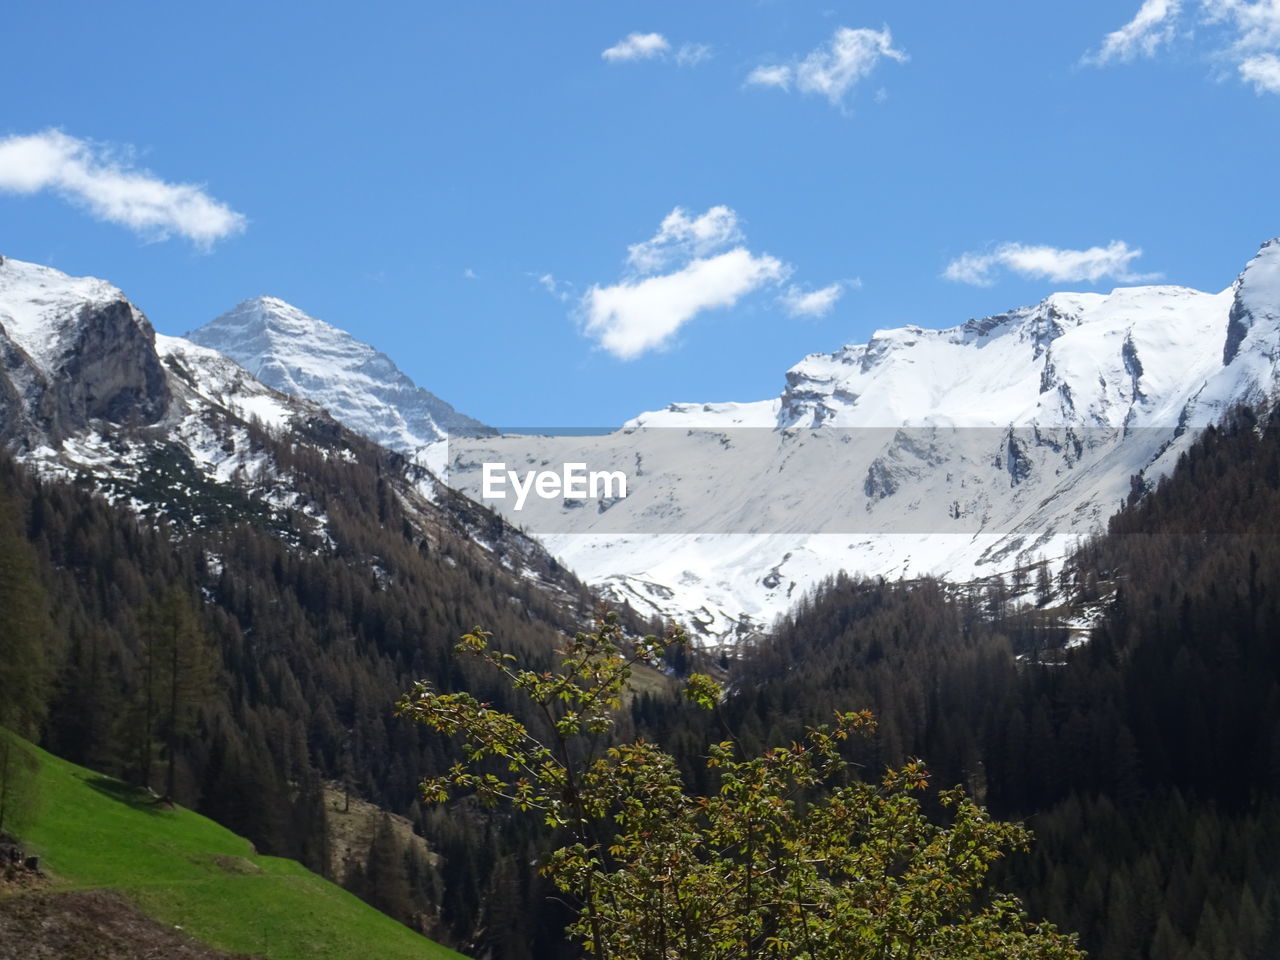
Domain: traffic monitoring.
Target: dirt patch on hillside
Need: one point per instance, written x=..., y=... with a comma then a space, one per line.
x=238, y=865
x=352, y=823
x=91, y=925
x=19, y=871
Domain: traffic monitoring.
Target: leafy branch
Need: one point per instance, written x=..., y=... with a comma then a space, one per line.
x=790, y=859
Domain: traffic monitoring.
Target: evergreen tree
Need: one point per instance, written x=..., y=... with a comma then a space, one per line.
x=27, y=648
x=385, y=883
x=19, y=784
x=177, y=677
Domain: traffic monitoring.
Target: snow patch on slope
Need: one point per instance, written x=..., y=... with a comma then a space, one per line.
x=224, y=382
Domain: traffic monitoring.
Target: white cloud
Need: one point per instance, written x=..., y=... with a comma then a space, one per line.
x=1051, y=263
x=1258, y=24
x=1142, y=36
x=637, y=46
x=561, y=291
x=1257, y=42
x=113, y=190
x=692, y=54
x=1263, y=71
x=1247, y=37
x=811, y=303
x=695, y=262
x=648, y=46
x=469, y=274
x=681, y=236
x=635, y=316
x=777, y=76
x=833, y=69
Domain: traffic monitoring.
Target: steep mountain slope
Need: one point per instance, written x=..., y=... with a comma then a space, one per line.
x=305, y=357
x=956, y=452
x=88, y=390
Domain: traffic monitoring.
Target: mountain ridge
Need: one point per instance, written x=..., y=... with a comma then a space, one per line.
x=1052, y=408
x=1080, y=393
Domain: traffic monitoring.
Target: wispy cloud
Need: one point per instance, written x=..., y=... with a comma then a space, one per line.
x=1255, y=48
x=112, y=189
x=637, y=46
x=692, y=54
x=1263, y=71
x=1257, y=24
x=1150, y=29
x=810, y=303
x=1243, y=34
x=650, y=46
x=1050, y=263
x=775, y=76
x=683, y=237
x=833, y=69
x=548, y=282
x=692, y=264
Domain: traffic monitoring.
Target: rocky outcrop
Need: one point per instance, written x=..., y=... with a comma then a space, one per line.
x=110, y=370
x=105, y=369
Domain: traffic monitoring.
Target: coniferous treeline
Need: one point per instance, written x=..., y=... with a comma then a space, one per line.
x=1147, y=760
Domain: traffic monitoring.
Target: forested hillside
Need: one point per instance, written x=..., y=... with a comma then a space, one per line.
x=1147, y=760
x=239, y=665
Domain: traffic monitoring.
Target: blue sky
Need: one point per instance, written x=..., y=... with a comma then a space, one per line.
x=544, y=234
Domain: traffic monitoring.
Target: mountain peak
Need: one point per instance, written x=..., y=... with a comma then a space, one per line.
x=267, y=315
x=1256, y=299
x=1264, y=268
x=296, y=353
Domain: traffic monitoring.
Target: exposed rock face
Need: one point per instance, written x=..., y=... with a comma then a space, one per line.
x=71, y=354
x=110, y=371
x=13, y=414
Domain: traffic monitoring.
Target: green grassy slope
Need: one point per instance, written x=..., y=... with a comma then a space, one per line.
x=184, y=869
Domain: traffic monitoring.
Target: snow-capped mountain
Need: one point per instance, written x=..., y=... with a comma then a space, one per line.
x=958, y=452
x=89, y=391
x=363, y=389
x=88, y=387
